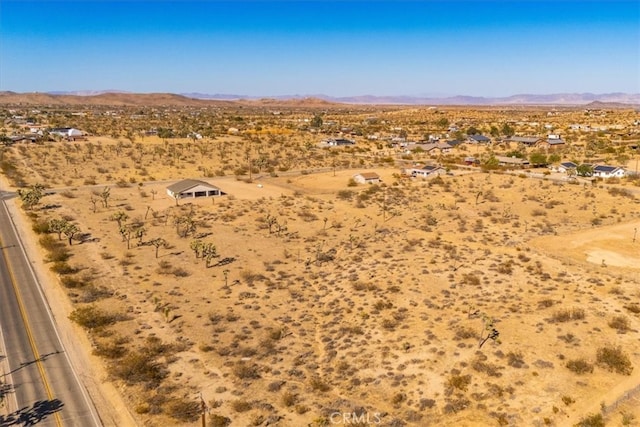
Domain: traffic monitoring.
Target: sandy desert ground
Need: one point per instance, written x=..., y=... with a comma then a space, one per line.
x=328, y=299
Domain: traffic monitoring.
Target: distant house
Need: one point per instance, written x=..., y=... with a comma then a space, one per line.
x=21, y=138
x=367, y=178
x=192, y=188
x=426, y=171
x=470, y=161
x=71, y=134
x=479, y=139
x=433, y=148
x=552, y=141
x=338, y=142
x=605, y=171
x=454, y=142
x=565, y=167
x=512, y=161
x=526, y=140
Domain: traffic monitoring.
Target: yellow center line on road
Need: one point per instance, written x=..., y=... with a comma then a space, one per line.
x=32, y=342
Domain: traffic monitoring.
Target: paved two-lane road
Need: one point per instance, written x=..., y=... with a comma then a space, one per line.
x=40, y=385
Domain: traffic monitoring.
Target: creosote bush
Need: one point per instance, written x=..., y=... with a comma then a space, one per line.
x=615, y=360
x=92, y=317
x=579, y=366
x=566, y=315
x=183, y=409
x=593, y=420
x=139, y=367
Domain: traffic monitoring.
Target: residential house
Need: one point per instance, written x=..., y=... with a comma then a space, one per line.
x=70, y=134
x=367, y=178
x=426, y=171
x=192, y=188
x=567, y=167
x=553, y=141
x=529, y=141
x=471, y=161
x=338, y=142
x=606, y=171
x=433, y=148
x=479, y=139
x=512, y=161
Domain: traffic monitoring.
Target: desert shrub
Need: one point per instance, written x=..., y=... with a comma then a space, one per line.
x=56, y=250
x=634, y=308
x=621, y=323
x=622, y=192
x=139, y=367
x=216, y=420
x=490, y=369
x=579, y=366
x=594, y=420
x=361, y=286
x=567, y=315
x=345, y=194
x=62, y=267
x=398, y=398
x=470, y=279
x=464, y=333
x=458, y=382
x=289, y=399
x=180, y=272
x=318, y=385
x=92, y=317
x=456, y=405
x=183, y=409
x=505, y=267
x=568, y=400
x=40, y=227
x=245, y=371
x=93, y=293
x=545, y=303
x=515, y=359
x=241, y=405
x=615, y=360
x=72, y=282
x=389, y=324
x=275, y=386
x=112, y=349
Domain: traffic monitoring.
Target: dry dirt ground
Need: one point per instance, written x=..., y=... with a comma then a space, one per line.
x=331, y=299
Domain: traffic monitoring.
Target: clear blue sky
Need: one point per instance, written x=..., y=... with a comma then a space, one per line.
x=338, y=48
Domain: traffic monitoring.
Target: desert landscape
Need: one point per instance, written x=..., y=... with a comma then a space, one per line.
x=483, y=294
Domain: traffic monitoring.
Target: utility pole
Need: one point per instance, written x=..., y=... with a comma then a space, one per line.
x=204, y=411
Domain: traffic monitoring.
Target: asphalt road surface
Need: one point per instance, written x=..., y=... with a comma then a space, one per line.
x=37, y=381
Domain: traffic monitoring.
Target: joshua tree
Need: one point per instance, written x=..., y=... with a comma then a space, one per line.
x=271, y=221
x=139, y=233
x=58, y=226
x=104, y=195
x=94, y=202
x=488, y=331
x=70, y=230
x=31, y=196
x=158, y=242
x=209, y=252
x=120, y=217
x=197, y=247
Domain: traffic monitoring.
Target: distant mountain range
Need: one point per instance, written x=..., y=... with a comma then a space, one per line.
x=114, y=97
x=523, y=99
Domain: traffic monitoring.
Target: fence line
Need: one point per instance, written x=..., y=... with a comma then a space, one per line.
x=629, y=394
